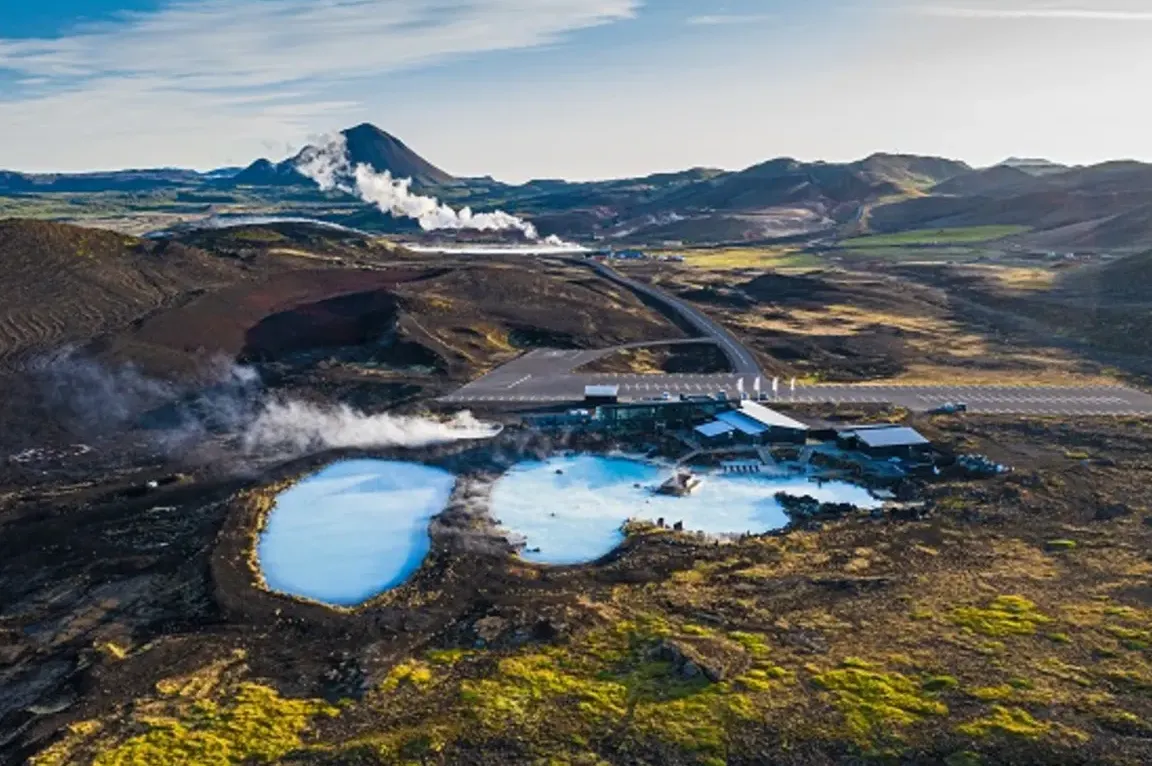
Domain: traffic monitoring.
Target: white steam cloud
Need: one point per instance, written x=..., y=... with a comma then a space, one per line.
x=297, y=427
x=330, y=167
x=233, y=411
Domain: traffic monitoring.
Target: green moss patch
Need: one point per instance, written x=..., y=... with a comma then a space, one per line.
x=627, y=676
x=1004, y=616
x=873, y=703
x=1011, y=721
x=1060, y=545
x=256, y=726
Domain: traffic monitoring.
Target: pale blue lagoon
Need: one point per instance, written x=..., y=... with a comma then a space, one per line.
x=360, y=527
x=572, y=508
x=353, y=530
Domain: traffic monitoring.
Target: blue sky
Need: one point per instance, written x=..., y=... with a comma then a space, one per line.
x=572, y=88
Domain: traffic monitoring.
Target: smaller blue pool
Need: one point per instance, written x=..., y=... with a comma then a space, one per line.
x=570, y=510
x=353, y=530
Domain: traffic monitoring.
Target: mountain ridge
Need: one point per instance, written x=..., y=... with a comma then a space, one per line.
x=383, y=151
x=366, y=144
x=779, y=197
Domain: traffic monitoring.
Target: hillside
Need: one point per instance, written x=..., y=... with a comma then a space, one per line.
x=911, y=172
x=315, y=310
x=999, y=180
x=1128, y=231
x=1082, y=207
x=83, y=183
x=1036, y=166
x=1009, y=181
x=264, y=172
x=1040, y=210
x=66, y=284
x=171, y=306
x=819, y=186
x=1125, y=279
x=367, y=145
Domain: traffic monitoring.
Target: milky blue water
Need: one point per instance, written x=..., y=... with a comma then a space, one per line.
x=360, y=527
x=353, y=530
x=575, y=516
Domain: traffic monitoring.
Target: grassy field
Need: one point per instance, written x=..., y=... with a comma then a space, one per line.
x=967, y=235
x=1017, y=277
x=780, y=258
x=891, y=253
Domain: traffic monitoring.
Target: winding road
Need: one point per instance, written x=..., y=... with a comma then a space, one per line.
x=550, y=376
x=743, y=361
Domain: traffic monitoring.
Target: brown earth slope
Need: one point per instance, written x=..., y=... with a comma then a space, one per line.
x=320, y=313
x=228, y=322
x=66, y=284
x=905, y=325
x=472, y=317
x=1099, y=314
x=486, y=314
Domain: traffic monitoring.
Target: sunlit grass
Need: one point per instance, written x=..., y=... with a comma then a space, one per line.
x=954, y=236
x=779, y=258
x=1018, y=278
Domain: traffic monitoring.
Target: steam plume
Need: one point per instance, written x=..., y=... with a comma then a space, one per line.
x=233, y=411
x=300, y=428
x=330, y=168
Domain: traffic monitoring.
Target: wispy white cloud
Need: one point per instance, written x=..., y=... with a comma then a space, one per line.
x=250, y=43
x=1048, y=12
x=248, y=67
x=729, y=19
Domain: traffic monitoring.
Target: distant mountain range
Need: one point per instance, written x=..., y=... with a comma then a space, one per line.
x=1106, y=205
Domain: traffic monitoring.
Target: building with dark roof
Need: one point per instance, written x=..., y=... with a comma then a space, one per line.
x=594, y=395
x=685, y=412
x=886, y=441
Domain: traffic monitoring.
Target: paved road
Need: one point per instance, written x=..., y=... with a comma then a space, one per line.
x=546, y=376
x=743, y=362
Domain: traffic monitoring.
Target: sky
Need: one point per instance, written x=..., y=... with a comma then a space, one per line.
x=576, y=89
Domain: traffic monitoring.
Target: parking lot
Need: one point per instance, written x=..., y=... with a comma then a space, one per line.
x=545, y=377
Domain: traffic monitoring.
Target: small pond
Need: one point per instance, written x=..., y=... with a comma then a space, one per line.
x=572, y=508
x=353, y=530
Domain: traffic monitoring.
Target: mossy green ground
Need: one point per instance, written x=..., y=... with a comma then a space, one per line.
x=953, y=236
x=200, y=719
x=944, y=641
x=577, y=702
x=875, y=702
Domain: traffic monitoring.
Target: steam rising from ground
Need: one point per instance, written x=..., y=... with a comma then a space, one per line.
x=300, y=428
x=329, y=166
x=233, y=410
